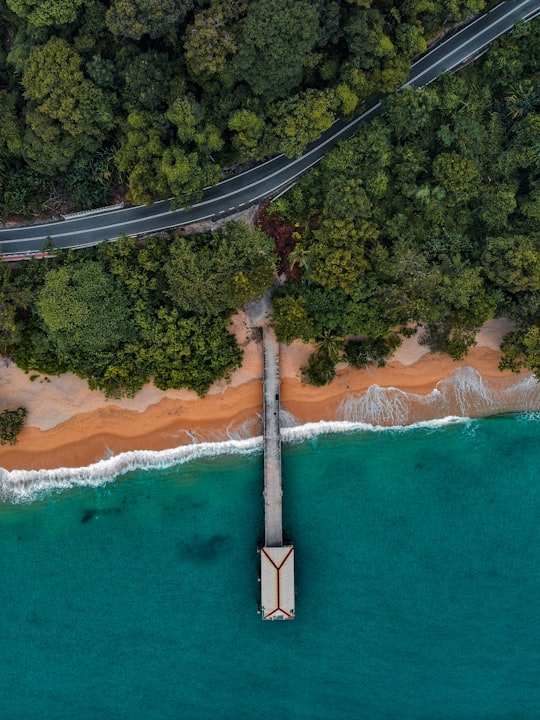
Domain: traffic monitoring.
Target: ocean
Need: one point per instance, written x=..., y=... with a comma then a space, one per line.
x=417, y=573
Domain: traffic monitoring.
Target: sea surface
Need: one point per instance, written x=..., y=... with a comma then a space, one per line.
x=417, y=571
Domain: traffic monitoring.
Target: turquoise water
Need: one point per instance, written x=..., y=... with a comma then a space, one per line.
x=418, y=586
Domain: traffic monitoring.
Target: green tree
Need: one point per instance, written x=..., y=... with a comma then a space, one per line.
x=302, y=119
x=522, y=100
x=145, y=81
x=85, y=314
x=530, y=204
x=102, y=71
x=525, y=147
x=273, y=45
x=135, y=18
x=521, y=349
x=495, y=205
x=46, y=12
x=512, y=262
x=337, y=267
x=12, y=300
x=11, y=424
x=140, y=157
x=410, y=39
x=218, y=276
x=247, y=128
x=458, y=310
x=367, y=41
x=189, y=352
x=291, y=319
x=210, y=42
x=457, y=175
x=189, y=117
x=369, y=351
x=187, y=174
x=319, y=371
x=66, y=109
x=410, y=111
x=299, y=258
x=330, y=345
x=11, y=136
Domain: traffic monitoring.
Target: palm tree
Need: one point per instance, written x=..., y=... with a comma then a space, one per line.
x=522, y=100
x=330, y=345
x=299, y=256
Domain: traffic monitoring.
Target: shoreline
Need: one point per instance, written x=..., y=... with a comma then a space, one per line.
x=70, y=426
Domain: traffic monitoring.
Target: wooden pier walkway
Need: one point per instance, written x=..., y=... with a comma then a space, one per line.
x=273, y=529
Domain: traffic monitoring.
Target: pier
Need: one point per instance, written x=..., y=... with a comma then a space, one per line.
x=277, y=559
x=273, y=492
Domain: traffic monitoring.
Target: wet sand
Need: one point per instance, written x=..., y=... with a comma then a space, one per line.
x=71, y=426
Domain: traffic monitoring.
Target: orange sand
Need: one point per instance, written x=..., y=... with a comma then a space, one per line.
x=71, y=426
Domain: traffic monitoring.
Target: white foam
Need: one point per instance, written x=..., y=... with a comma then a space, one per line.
x=324, y=427
x=27, y=485
x=377, y=410
x=463, y=393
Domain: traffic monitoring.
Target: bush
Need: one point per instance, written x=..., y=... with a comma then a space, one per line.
x=11, y=424
x=371, y=351
x=319, y=371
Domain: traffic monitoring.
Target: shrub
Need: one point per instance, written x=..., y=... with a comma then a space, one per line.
x=319, y=371
x=11, y=424
x=371, y=351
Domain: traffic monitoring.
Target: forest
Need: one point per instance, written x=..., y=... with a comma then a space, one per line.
x=428, y=216
x=125, y=312
x=156, y=98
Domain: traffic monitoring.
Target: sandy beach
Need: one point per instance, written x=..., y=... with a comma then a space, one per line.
x=70, y=426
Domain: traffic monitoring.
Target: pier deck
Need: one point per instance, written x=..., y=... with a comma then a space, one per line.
x=273, y=531
x=277, y=583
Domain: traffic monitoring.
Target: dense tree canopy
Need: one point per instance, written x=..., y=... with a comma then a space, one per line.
x=66, y=112
x=11, y=424
x=151, y=97
x=428, y=216
x=275, y=40
x=218, y=276
x=126, y=312
x=135, y=18
x=46, y=12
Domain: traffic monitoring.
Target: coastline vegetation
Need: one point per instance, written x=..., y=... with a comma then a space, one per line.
x=128, y=311
x=428, y=216
x=11, y=424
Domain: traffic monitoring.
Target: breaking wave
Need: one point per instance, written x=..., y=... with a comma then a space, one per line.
x=18, y=486
x=459, y=397
x=27, y=485
x=464, y=393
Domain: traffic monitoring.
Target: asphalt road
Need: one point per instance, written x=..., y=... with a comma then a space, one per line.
x=270, y=178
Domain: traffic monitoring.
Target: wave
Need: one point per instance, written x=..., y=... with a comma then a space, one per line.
x=19, y=486
x=456, y=399
x=464, y=393
x=28, y=485
x=331, y=427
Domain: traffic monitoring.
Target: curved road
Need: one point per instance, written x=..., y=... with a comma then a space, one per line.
x=268, y=179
